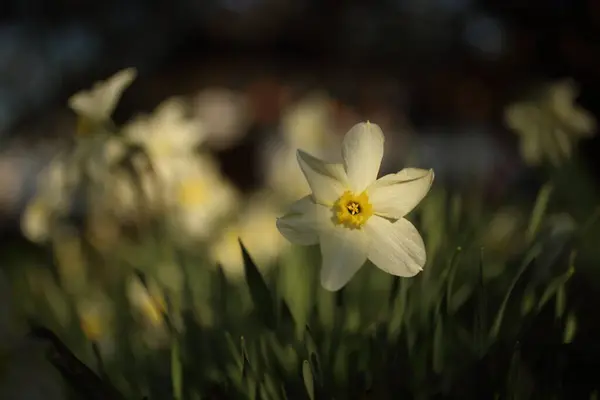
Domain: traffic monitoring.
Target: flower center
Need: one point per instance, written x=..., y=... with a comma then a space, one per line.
x=192, y=192
x=352, y=210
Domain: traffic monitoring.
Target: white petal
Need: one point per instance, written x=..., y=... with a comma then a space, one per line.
x=362, y=151
x=327, y=181
x=395, y=195
x=344, y=251
x=395, y=247
x=296, y=226
x=99, y=102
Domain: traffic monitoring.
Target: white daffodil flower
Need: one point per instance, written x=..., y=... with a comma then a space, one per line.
x=199, y=198
x=225, y=114
x=354, y=216
x=168, y=132
x=95, y=106
x=551, y=124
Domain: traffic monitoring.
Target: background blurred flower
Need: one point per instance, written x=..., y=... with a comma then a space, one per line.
x=52, y=197
x=168, y=132
x=307, y=124
x=95, y=106
x=550, y=124
x=200, y=197
x=255, y=227
x=224, y=114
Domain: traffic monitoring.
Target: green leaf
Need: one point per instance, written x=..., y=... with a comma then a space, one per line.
x=454, y=261
x=528, y=303
x=396, y=318
x=234, y=350
x=295, y=286
x=539, y=210
x=529, y=257
x=176, y=370
x=326, y=308
x=309, y=383
x=460, y=297
x=456, y=210
x=481, y=316
x=553, y=287
x=270, y=388
x=438, y=347
x=560, y=304
x=259, y=292
x=245, y=358
x=313, y=354
x=570, y=328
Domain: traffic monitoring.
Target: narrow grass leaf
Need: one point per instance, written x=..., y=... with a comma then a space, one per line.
x=539, y=210
x=570, y=328
x=259, y=292
x=309, y=383
x=176, y=370
x=529, y=257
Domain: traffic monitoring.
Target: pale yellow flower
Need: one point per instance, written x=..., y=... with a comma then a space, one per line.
x=168, y=132
x=51, y=198
x=551, y=124
x=225, y=116
x=308, y=125
x=257, y=232
x=354, y=216
x=95, y=106
x=200, y=197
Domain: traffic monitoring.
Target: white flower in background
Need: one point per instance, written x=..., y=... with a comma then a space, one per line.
x=551, y=124
x=167, y=133
x=307, y=125
x=257, y=232
x=225, y=116
x=52, y=197
x=199, y=197
x=354, y=216
x=25, y=372
x=95, y=106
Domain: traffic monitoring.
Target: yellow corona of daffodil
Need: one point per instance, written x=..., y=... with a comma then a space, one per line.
x=354, y=216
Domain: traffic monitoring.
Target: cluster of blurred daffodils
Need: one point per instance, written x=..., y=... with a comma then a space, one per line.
x=153, y=164
x=550, y=124
x=150, y=190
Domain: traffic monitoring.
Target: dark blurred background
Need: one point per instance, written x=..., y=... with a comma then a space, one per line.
x=446, y=68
